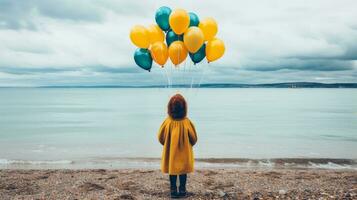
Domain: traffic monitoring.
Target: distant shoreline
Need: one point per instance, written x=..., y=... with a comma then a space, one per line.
x=211, y=85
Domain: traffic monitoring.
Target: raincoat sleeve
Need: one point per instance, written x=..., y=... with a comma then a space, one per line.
x=162, y=132
x=192, y=135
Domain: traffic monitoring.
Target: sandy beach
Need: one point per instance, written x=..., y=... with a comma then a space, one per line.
x=203, y=184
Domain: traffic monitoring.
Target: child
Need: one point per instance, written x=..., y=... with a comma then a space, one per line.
x=178, y=135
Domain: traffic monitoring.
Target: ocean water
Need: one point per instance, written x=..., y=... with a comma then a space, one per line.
x=72, y=127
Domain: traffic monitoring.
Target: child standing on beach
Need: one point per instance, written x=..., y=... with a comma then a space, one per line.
x=177, y=134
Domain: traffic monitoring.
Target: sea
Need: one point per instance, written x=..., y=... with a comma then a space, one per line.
x=75, y=128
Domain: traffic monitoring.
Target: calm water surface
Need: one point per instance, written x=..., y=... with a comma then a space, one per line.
x=79, y=124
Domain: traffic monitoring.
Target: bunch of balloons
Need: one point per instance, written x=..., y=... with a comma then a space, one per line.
x=184, y=34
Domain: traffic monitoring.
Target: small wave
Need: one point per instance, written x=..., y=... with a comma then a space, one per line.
x=331, y=165
x=339, y=137
x=287, y=163
x=280, y=161
x=117, y=163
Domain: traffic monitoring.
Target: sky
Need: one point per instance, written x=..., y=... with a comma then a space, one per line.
x=86, y=42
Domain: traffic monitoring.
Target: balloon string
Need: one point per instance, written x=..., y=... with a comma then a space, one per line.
x=183, y=74
x=168, y=79
x=199, y=73
x=172, y=75
x=184, y=71
x=194, y=72
x=153, y=55
x=163, y=75
x=178, y=67
x=171, y=82
x=202, y=75
x=191, y=74
x=180, y=74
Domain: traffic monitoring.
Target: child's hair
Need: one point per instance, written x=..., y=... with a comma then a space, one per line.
x=177, y=107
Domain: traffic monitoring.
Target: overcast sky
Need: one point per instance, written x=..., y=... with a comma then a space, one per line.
x=86, y=42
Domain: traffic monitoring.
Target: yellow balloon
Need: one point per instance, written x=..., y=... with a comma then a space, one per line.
x=214, y=49
x=193, y=39
x=209, y=28
x=179, y=21
x=140, y=36
x=159, y=53
x=155, y=34
x=177, y=52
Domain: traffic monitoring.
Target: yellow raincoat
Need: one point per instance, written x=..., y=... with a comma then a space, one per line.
x=178, y=137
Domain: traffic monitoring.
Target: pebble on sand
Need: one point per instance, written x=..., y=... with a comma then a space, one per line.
x=282, y=192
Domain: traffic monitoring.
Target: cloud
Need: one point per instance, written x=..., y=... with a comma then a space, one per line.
x=84, y=42
x=79, y=10
x=28, y=70
x=316, y=64
x=47, y=70
x=117, y=69
x=14, y=15
x=24, y=14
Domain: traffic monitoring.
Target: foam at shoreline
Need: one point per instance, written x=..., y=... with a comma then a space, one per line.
x=152, y=163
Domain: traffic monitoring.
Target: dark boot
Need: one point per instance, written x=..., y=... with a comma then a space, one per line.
x=182, y=188
x=173, y=187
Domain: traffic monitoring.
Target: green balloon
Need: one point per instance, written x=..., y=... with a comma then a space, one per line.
x=194, y=20
x=199, y=55
x=143, y=58
x=172, y=37
x=162, y=17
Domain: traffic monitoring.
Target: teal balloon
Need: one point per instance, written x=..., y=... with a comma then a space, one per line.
x=162, y=17
x=194, y=20
x=143, y=58
x=199, y=55
x=172, y=37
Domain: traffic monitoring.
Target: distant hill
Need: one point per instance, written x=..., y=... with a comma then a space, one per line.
x=229, y=85
x=284, y=85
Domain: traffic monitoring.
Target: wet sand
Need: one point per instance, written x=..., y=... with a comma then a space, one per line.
x=203, y=184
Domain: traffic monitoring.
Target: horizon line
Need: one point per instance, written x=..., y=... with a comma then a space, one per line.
x=204, y=85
